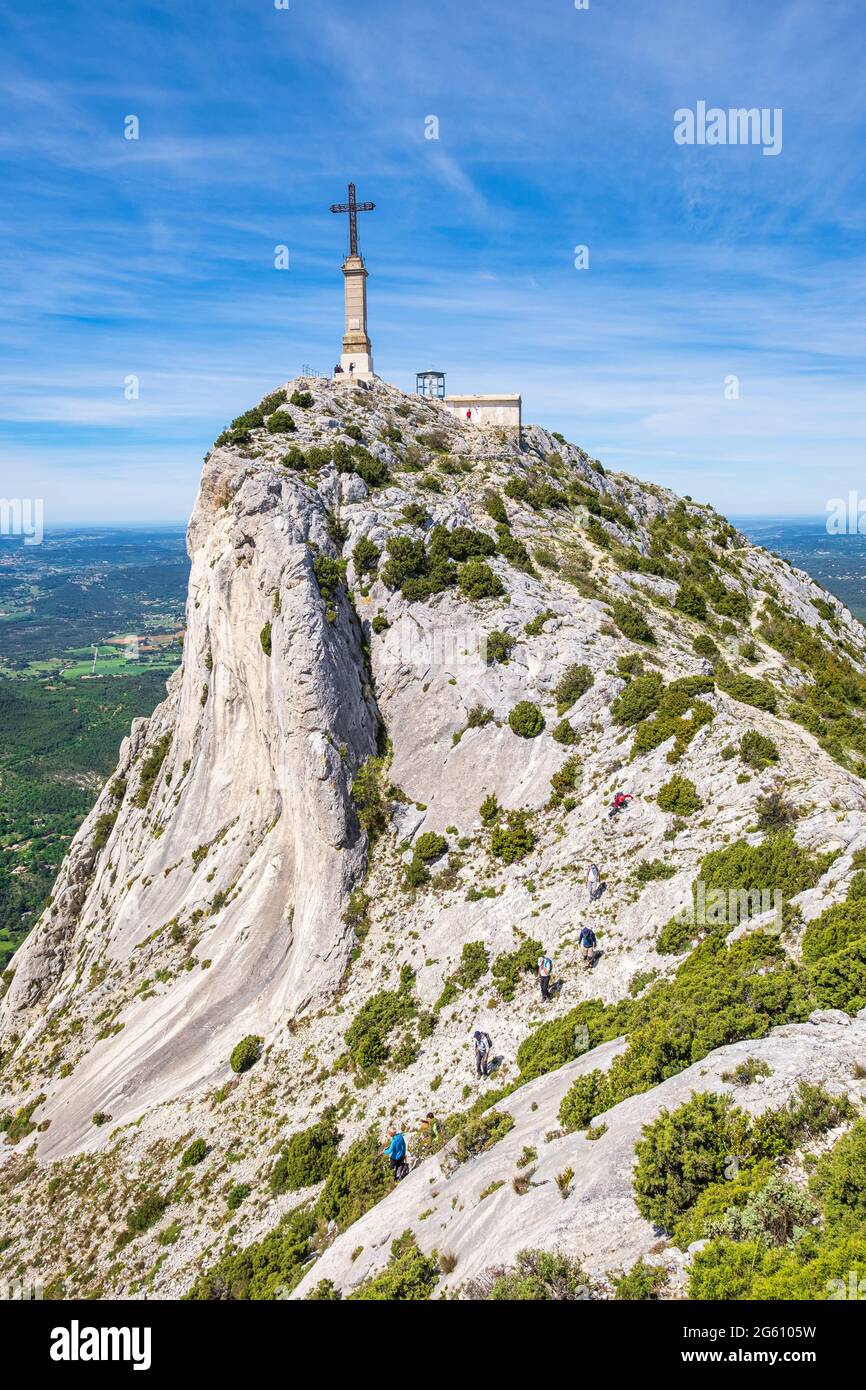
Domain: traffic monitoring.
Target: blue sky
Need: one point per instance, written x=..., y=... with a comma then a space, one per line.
x=154, y=257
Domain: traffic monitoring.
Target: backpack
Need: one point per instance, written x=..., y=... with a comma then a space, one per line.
x=545, y=965
x=398, y=1149
x=587, y=937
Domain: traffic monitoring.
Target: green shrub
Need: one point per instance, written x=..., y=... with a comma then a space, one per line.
x=265, y=638
x=481, y=1132
x=150, y=769
x=537, y=1276
x=676, y=936
x=430, y=846
x=410, y=1276
x=371, y=806
x=748, y=690
x=691, y=601
x=632, y=623
x=649, y=870
x=237, y=1195
x=643, y=1281
x=193, y=1154
x=307, y=1157
x=706, y=647
x=146, y=1214
x=281, y=422
x=367, y=1035
x=836, y=929
x=682, y=1152
x=513, y=840
x=277, y=1262
x=718, y=1199
x=565, y=733
x=513, y=550
x=415, y=513
x=495, y=507
x=588, y=1096
x=535, y=625
x=474, y=963
x=407, y=559
x=295, y=459
x=756, y=750
x=679, y=797
x=489, y=810
x=839, y=1181
x=640, y=698
x=511, y=965
x=498, y=646
x=574, y=682
x=356, y=1181
x=566, y=778
x=777, y=862
x=670, y=721
x=477, y=580
x=366, y=556
x=246, y=1053
x=526, y=719
x=778, y=1212
x=302, y=399
x=773, y=812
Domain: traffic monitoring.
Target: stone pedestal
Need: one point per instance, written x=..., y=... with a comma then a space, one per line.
x=356, y=358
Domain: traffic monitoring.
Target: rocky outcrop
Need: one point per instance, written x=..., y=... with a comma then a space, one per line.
x=235, y=824
x=595, y=1219
x=208, y=895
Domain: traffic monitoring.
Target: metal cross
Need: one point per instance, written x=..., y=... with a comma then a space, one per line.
x=353, y=207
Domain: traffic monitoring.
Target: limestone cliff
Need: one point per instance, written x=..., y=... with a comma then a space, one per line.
x=376, y=590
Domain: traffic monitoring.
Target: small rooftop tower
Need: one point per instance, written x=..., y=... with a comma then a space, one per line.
x=430, y=384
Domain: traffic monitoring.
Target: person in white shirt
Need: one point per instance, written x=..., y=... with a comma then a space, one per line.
x=593, y=878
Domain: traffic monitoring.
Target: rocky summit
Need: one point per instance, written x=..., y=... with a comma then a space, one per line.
x=422, y=657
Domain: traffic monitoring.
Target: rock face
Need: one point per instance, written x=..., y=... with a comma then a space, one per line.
x=597, y=1221
x=247, y=838
x=209, y=895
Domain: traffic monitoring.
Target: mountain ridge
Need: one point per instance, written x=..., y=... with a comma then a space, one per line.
x=376, y=591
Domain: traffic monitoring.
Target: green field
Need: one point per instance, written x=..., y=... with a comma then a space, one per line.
x=57, y=746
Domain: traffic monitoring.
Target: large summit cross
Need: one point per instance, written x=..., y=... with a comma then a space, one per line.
x=353, y=207
x=357, y=354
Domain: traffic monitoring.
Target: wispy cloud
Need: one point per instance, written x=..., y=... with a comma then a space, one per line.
x=155, y=257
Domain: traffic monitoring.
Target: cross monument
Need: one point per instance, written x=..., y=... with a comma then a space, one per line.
x=357, y=355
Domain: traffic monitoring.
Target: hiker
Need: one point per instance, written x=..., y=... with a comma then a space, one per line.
x=428, y=1132
x=586, y=942
x=483, y=1047
x=338, y=370
x=396, y=1152
x=593, y=879
x=545, y=970
x=619, y=803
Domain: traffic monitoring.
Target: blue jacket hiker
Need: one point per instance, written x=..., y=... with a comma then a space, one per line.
x=396, y=1152
x=586, y=941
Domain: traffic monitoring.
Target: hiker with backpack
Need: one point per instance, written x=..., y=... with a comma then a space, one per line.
x=483, y=1049
x=619, y=803
x=586, y=942
x=545, y=970
x=396, y=1153
x=428, y=1133
x=593, y=881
